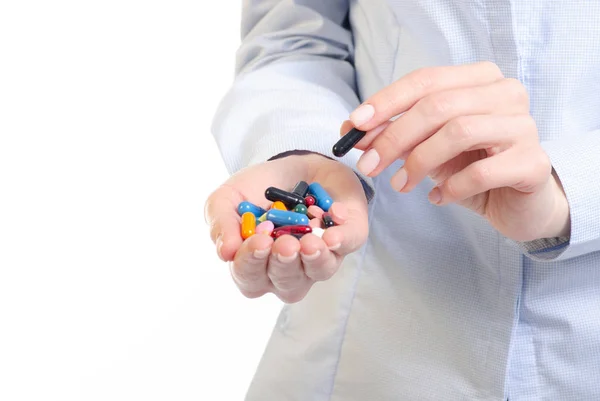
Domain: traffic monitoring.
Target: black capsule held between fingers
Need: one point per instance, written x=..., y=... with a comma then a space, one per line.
x=301, y=189
x=289, y=199
x=347, y=142
x=328, y=221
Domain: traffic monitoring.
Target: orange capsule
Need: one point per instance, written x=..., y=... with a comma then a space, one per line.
x=279, y=205
x=248, y=225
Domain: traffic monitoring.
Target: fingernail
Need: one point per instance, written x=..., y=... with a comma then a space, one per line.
x=362, y=114
x=435, y=196
x=287, y=259
x=261, y=253
x=368, y=162
x=399, y=180
x=311, y=257
x=219, y=244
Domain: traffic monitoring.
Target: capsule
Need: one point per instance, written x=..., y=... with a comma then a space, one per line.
x=347, y=142
x=248, y=225
x=289, y=199
x=291, y=230
x=266, y=227
x=285, y=218
x=249, y=207
x=310, y=200
x=318, y=231
x=262, y=218
x=324, y=201
x=278, y=205
x=301, y=189
x=300, y=209
x=328, y=220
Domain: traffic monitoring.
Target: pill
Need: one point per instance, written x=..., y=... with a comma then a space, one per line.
x=248, y=225
x=291, y=230
x=266, y=227
x=324, y=201
x=249, y=207
x=301, y=189
x=318, y=231
x=310, y=200
x=328, y=220
x=285, y=218
x=278, y=205
x=300, y=209
x=314, y=212
x=262, y=218
x=289, y=199
x=347, y=142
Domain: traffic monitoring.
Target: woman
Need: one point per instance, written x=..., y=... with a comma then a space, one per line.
x=473, y=273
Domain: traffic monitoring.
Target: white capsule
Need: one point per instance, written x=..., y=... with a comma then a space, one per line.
x=318, y=232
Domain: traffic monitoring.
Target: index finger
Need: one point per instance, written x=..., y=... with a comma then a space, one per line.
x=401, y=95
x=220, y=212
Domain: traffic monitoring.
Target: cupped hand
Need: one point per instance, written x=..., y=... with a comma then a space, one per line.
x=287, y=267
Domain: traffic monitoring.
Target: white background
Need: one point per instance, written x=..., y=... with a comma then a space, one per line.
x=110, y=288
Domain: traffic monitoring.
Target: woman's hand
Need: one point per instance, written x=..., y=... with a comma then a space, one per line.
x=287, y=267
x=469, y=129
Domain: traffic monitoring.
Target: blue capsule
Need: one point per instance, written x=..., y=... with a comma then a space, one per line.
x=249, y=207
x=324, y=201
x=285, y=218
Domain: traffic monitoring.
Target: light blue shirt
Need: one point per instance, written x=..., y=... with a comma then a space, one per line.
x=437, y=305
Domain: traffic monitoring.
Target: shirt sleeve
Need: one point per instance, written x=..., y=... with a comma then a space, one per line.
x=294, y=84
x=576, y=161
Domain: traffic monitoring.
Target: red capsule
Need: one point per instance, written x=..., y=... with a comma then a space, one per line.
x=310, y=200
x=291, y=230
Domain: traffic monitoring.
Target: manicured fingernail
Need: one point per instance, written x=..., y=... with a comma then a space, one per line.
x=435, y=196
x=311, y=257
x=318, y=231
x=368, y=162
x=399, y=180
x=261, y=253
x=362, y=114
x=287, y=259
x=219, y=244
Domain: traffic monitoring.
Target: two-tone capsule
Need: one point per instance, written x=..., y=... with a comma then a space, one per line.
x=250, y=207
x=291, y=230
x=324, y=201
x=288, y=198
x=286, y=218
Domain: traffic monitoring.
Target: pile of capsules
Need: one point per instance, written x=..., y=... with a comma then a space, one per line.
x=288, y=214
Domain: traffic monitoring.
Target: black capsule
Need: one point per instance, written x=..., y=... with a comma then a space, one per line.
x=347, y=142
x=328, y=220
x=289, y=199
x=301, y=189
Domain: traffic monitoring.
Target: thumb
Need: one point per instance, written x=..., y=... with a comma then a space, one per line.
x=220, y=212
